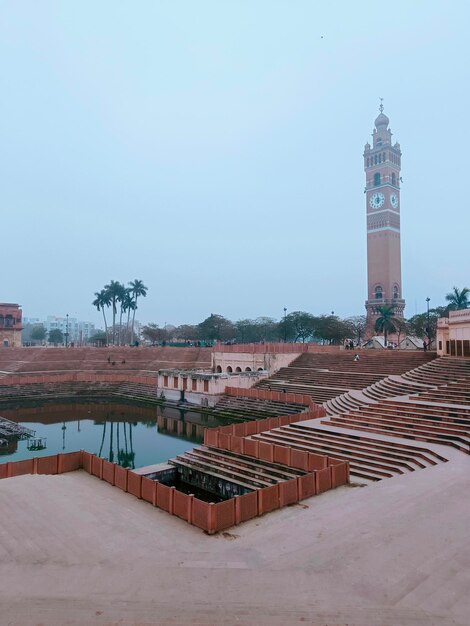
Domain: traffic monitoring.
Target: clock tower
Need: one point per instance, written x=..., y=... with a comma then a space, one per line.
x=382, y=164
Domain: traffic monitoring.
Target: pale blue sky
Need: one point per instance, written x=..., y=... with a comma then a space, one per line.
x=214, y=150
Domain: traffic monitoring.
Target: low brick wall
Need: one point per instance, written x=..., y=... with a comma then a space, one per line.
x=274, y=348
x=55, y=464
x=275, y=396
x=254, y=427
x=210, y=517
x=214, y=517
x=262, y=348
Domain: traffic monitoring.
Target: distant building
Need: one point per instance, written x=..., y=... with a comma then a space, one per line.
x=382, y=165
x=33, y=321
x=78, y=332
x=10, y=325
x=453, y=334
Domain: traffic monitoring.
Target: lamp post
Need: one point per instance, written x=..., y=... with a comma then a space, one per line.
x=285, y=325
x=428, y=328
x=67, y=331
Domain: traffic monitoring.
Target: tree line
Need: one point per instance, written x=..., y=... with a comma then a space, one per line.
x=124, y=300
x=301, y=326
x=294, y=327
x=422, y=325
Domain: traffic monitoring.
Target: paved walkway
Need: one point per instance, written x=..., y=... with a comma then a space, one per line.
x=74, y=550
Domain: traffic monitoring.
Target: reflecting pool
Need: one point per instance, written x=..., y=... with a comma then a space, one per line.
x=129, y=434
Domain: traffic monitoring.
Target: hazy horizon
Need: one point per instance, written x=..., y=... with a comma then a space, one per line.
x=214, y=151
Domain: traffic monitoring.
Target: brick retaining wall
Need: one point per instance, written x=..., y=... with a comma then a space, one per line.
x=82, y=377
x=211, y=517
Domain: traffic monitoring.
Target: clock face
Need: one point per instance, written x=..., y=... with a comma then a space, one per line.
x=377, y=200
x=394, y=200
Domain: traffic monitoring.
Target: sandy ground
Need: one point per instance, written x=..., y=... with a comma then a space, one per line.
x=74, y=550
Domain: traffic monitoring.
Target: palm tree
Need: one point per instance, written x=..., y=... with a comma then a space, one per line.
x=386, y=323
x=127, y=305
x=123, y=299
x=458, y=298
x=102, y=300
x=114, y=292
x=131, y=306
x=137, y=289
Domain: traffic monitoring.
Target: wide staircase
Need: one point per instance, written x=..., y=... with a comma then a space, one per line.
x=247, y=473
x=55, y=391
x=380, y=428
x=453, y=393
x=253, y=409
x=76, y=390
x=410, y=418
x=109, y=360
x=435, y=377
x=325, y=376
x=369, y=458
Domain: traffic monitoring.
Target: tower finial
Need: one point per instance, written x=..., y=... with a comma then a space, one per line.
x=381, y=107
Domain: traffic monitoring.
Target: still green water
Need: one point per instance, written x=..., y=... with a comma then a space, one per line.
x=131, y=435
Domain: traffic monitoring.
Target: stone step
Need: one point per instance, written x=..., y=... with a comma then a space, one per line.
x=401, y=431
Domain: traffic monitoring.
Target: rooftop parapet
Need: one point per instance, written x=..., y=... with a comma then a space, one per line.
x=262, y=348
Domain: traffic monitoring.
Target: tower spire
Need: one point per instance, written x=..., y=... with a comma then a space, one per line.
x=382, y=165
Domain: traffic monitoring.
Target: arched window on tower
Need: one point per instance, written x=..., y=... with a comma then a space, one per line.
x=394, y=179
x=396, y=293
x=367, y=161
x=378, y=293
x=376, y=179
x=380, y=158
x=375, y=159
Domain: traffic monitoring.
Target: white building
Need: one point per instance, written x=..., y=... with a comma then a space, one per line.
x=453, y=334
x=78, y=332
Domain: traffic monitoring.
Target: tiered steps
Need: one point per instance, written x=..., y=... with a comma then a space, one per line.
x=440, y=371
x=453, y=393
x=76, y=390
x=136, y=391
x=430, y=402
x=253, y=409
x=426, y=379
x=235, y=468
x=369, y=458
x=84, y=359
x=326, y=376
x=423, y=421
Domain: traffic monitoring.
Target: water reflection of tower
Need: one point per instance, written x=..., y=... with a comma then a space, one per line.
x=64, y=428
